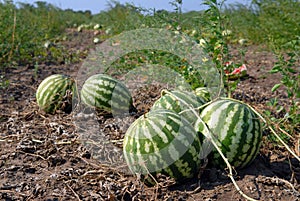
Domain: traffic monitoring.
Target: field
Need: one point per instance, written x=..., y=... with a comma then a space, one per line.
x=42, y=156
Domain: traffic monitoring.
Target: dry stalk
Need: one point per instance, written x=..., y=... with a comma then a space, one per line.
x=35, y=155
x=71, y=189
x=13, y=192
x=277, y=181
x=283, y=131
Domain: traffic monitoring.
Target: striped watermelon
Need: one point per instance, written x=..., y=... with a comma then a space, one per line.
x=107, y=94
x=237, y=129
x=179, y=102
x=55, y=93
x=162, y=141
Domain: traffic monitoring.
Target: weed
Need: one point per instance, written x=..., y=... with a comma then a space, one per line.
x=286, y=65
x=4, y=83
x=217, y=40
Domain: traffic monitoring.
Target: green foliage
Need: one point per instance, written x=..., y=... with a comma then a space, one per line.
x=26, y=29
x=119, y=18
x=157, y=57
x=4, y=83
x=217, y=36
x=269, y=22
x=286, y=65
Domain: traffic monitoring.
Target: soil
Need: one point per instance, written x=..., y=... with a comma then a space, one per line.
x=45, y=157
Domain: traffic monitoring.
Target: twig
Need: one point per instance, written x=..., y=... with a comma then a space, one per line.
x=92, y=172
x=283, y=131
x=62, y=142
x=14, y=192
x=76, y=195
x=89, y=163
x=196, y=190
x=276, y=181
x=36, y=155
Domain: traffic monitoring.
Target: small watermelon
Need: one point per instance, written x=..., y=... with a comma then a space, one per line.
x=162, y=141
x=237, y=128
x=56, y=93
x=180, y=102
x=106, y=93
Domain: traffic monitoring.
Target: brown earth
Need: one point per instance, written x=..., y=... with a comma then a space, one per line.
x=42, y=157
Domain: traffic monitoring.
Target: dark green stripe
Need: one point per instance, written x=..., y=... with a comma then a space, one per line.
x=164, y=156
x=243, y=134
x=92, y=100
x=256, y=131
x=221, y=119
x=53, y=98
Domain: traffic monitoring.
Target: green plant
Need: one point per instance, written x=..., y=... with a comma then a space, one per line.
x=286, y=65
x=36, y=70
x=216, y=38
x=4, y=83
x=25, y=29
x=119, y=18
x=266, y=22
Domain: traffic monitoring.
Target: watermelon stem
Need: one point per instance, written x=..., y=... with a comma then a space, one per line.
x=268, y=123
x=211, y=137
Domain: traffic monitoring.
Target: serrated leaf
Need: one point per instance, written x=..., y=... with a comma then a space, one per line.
x=275, y=87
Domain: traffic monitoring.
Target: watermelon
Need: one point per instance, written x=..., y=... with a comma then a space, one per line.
x=107, y=94
x=164, y=142
x=55, y=93
x=180, y=102
x=237, y=128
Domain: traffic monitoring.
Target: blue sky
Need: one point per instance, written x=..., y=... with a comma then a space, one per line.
x=98, y=5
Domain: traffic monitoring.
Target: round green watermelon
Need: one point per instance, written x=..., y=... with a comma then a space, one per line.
x=237, y=128
x=181, y=102
x=164, y=142
x=106, y=93
x=56, y=92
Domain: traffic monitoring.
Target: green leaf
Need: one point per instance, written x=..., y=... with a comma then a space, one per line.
x=291, y=70
x=298, y=94
x=277, y=68
x=275, y=87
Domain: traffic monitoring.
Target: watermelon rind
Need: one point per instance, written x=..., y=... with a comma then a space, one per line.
x=56, y=92
x=106, y=93
x=185, y=103
x=164, y=142
x=237, y=130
